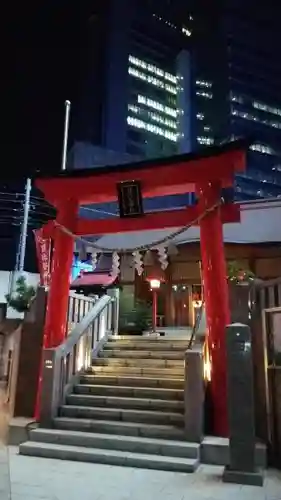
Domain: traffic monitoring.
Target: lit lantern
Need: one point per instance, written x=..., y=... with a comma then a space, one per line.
x=155, y=284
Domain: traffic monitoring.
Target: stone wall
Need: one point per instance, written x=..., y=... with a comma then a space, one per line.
x=28, y=360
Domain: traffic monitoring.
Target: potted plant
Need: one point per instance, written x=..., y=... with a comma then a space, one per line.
x=21, y=298
x=237, y=275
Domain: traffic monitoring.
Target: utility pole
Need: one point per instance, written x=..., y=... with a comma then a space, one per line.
x=65, y=135
x=24, y=228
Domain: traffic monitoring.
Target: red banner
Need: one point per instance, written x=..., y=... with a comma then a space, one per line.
x=43, y=250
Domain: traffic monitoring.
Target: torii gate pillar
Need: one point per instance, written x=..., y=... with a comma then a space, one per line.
x=57, y=304
x=216, y=299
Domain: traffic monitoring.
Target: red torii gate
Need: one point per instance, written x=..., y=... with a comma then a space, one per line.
x=206, y=174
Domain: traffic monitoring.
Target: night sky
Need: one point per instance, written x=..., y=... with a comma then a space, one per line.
x=43, y=49
x=42, y=61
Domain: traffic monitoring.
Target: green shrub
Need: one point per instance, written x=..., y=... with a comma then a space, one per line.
x=22, y=297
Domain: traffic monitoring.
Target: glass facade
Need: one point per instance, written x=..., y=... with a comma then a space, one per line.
x=152, y=110
x=254, y=76
x=178, y=78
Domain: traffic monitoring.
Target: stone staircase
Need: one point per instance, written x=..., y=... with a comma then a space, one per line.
x=128, y=409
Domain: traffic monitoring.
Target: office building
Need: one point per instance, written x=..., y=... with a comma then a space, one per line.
x=168, y=78
x=254, y=77
x=145, y=66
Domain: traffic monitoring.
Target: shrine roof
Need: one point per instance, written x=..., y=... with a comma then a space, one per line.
x=93, y=279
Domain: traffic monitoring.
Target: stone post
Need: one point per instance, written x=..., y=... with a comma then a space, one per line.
x=241, y=412
x=115, y=294
x=194, y=395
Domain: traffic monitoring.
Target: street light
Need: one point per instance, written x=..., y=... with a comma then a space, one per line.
x=154, y=286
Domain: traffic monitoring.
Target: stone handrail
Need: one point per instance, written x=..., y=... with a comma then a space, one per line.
x=62, y=365
x=78, y=331
x=78, y=307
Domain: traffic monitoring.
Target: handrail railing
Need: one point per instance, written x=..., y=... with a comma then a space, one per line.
x=78, y=307
x=63, y=364
x=266, y=301
x=272, y=353
x=267, y=294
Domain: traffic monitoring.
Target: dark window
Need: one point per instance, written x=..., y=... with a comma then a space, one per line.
x=134, y=135
x=134, y=150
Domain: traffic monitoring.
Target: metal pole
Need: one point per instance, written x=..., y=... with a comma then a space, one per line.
x=65, y=135
x=24, y=225
x=154, y=311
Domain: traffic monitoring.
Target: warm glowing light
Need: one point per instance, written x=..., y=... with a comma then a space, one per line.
x=197, y=303
x=81, y=356
x=154, y=284
x=102, y=326
x=207, y=366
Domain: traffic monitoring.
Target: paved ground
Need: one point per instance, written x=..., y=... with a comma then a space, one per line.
x=25, y=478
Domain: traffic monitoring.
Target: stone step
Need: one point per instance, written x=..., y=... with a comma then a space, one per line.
x=123, y=402
x=141, y=354
x=125, y=415
x=130, y=444
x=144, y=338
x=110, y=457
x=130, y=379
x=140, y=429
x=146, y=371
x=129, y=391
x=152, y=346
x=139, y=363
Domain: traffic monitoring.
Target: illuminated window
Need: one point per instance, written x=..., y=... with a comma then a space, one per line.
x=204, y=83
x=154, y=81
x=155, y=117
x=236, y=98
x=205, y=140
x=262, y=148
x=206, y=95
x=158, y=106
x=249, y=116
x=186, y=31
x=154, y=129
x=165, y=21
x=264, y=107
x=200, y=116
x=133, y=108
x=151, y=68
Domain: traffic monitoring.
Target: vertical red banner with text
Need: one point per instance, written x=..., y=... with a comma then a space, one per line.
x=43, y=251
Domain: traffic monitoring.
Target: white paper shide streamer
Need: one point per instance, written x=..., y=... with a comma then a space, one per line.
x=138, y=261
x=94, y=259
x=163, y=257
x=115, y=264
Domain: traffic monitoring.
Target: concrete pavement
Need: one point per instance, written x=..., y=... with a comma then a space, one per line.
x=29, y=478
